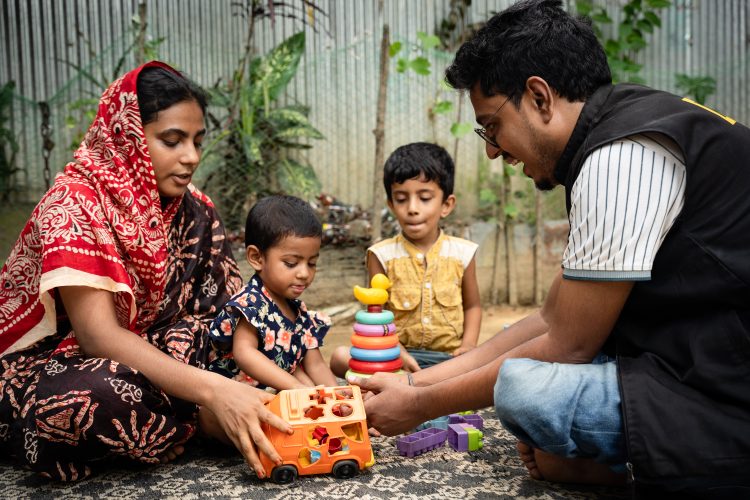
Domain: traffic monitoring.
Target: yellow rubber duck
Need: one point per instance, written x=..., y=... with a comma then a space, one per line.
x=376, y=294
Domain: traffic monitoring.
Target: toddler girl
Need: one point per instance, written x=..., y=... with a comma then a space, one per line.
x=265, y=335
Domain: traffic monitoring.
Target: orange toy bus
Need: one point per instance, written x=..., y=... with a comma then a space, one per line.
x=330, y=433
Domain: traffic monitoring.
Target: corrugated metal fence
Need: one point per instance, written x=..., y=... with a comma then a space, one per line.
x=45, y=41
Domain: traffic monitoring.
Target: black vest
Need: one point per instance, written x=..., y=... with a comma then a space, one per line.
x=683, y=338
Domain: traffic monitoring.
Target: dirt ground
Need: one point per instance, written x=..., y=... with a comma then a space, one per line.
x=494, y=319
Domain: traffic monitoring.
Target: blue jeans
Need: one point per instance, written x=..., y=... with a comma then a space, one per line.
x=426, y=358
x=568, y=410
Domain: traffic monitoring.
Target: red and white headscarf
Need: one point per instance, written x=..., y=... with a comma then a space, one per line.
x=101, y=225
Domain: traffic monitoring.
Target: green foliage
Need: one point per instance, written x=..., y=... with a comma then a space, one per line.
x=420, y=65
x=428, y=41
x=8, y=143
x=394, y=49
x=460, y=129
x=82, y=111
x=257, y=147
x=442, y=107
x=697, y=87
x=640, y=17
x=452, y=30
x=491, y=183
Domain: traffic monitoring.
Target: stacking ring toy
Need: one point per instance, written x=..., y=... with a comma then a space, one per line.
x=352, y=373
x=374, y=330
x=375, y=354
x=372, y=367
x=364, y=342
x=368, y=318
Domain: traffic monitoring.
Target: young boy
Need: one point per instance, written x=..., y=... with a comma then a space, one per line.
x=435, y=296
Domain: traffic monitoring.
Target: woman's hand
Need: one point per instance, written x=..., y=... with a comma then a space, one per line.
x=230, y=411
x=236, y=411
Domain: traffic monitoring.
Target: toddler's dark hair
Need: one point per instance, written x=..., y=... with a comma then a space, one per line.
x=417, y=159
x=275, y=217
x=159, y=88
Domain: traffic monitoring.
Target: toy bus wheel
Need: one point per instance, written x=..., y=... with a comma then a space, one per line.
x=345, y=469
x=284, y=474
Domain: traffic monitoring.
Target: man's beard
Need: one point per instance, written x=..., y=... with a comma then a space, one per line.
x=545, y=159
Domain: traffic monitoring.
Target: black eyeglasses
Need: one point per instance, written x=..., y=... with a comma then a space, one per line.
x=482, y=132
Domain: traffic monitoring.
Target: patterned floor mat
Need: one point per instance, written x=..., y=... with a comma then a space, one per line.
x=492, y=472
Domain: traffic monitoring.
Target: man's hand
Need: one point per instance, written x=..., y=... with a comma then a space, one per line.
x=394, y=407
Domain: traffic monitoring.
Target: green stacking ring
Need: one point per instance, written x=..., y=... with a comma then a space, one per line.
x=368, y=318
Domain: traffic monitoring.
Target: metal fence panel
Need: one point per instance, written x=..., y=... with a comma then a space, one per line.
x=45, y=40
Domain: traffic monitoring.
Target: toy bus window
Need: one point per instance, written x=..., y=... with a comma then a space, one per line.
x=337, y=445
x=342, y=410
x=344, y=394
x=314, y=412
x=307, y=457
x=353, y=431
x=318, y=436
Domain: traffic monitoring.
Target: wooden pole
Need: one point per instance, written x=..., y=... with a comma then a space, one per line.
x=379, y=132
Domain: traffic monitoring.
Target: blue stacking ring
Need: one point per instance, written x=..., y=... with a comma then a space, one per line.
x=375, y=354
x=368, y=318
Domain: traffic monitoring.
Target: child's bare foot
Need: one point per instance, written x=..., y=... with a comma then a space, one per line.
x=546, y=466
x=172, y=453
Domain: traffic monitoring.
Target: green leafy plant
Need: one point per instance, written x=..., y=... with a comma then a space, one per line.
x=698, y=87
x=420, y=65
x=82, y=111
x=640, y=17
x=8, y=143
x=259, y=145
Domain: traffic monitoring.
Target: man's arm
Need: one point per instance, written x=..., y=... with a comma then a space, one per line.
x=528, y=328
x=580, y=317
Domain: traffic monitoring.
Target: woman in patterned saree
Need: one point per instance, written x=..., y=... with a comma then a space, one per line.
x=107, y=296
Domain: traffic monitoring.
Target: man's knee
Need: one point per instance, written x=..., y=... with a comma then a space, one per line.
x=514, y=391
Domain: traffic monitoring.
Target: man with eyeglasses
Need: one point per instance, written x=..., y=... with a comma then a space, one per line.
x=637, y=367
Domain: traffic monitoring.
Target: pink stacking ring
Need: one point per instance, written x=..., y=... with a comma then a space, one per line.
x=365, y=342
x=374, y=330
x=375, y=366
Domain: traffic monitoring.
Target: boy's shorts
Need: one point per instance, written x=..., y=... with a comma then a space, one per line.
x=426, y=358
x=570, y=410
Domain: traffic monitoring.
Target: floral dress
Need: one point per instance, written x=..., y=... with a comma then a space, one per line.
x=282, y=341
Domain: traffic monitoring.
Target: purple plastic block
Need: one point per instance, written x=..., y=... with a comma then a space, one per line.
x=476, y=420
x=458, y=438
x=470, y=418
x=420, y=442
x=455, y=418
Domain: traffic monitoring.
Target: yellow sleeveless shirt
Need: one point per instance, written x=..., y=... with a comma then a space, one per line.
x=426, y=295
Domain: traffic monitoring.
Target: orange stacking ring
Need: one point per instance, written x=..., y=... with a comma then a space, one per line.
x=374, y=342
x=375, y=366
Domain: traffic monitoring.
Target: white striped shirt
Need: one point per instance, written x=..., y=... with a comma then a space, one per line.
x=623, y=203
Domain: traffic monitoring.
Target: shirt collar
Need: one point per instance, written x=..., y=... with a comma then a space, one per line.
x=414, y=252
x=590, y=115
